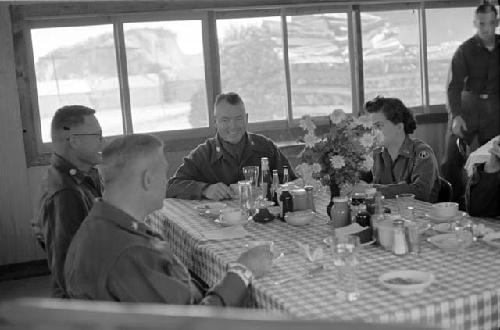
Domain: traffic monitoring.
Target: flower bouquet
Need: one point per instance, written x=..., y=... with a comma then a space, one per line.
x=337, y=158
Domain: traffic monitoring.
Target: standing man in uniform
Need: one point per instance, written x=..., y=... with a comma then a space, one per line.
x=208, y=170
x=473, y=96
x=71, y=185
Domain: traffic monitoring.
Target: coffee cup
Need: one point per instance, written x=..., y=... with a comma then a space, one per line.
x=445, y=209
x=231, y=216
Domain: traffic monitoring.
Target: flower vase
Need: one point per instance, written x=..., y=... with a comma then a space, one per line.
x=334, y=192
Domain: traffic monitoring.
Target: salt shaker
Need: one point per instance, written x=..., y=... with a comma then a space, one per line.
x=310, y=198
x=399, y=244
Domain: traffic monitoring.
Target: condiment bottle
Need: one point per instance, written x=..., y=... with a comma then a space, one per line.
x=285, y=174
x=265, y=178
x=370, y=200
x=286, y=202
x=299, y=199
x=399, y=244
x=310, y=198
x=363, y=219
x=274, y=187
x=340, y=212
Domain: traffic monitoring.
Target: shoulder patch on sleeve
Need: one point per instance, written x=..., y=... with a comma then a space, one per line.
x=424, y=154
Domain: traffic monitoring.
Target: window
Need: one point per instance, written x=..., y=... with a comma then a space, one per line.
x=251, y=64
x=166, y=75
x=447, y=28
x=320, y=74
x=77, y=65
x=391, y=55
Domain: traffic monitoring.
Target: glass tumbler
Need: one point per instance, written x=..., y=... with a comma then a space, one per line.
x=246, y=200
x=344, y=259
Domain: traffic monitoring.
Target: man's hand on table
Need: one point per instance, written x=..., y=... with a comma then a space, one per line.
x=493, y=164
x=217, y=191
x=258, y=259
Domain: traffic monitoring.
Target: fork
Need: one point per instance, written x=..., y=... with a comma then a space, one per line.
x=310, y=273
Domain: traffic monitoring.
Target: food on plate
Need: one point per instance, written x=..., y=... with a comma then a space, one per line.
x=403, y=281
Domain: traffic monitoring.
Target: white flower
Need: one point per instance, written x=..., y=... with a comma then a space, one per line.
x=337, y=162
x=365, y=121
x=316, y=168
x=307, y=124
x=337, y=116
x=367, y=164
x=366, y=140
x=310, y=140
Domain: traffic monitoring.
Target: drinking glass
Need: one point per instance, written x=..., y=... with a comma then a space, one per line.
x=413, y=237
x=344, y=258
x=406, y=206
x=251, y=173
x=246, y=200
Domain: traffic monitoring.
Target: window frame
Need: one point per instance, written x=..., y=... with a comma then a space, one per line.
x=27, y=17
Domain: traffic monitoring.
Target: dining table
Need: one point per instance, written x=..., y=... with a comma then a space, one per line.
x=464, y=295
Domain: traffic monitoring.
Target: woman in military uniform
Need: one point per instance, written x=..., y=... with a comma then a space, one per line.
x=401, y=164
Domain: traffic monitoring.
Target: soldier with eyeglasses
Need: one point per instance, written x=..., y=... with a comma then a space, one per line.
x=70, y=186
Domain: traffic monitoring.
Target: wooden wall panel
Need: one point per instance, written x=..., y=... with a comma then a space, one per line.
x=17, y=243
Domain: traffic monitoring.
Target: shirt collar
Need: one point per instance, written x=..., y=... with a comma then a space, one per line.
x=481, y=43
x=218, y=150
x=405, y=150
x=119, y=217
x=64, y=166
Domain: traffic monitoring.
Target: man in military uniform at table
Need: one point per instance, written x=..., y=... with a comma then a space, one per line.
x=114, y=256
x=71, y=185
x=208, y=170
x=473, y=96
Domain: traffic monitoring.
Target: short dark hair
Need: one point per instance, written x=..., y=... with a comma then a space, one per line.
x=231, y=98
x=394, y=110
x=122, y=153
x=68, y=117
x=486, y=8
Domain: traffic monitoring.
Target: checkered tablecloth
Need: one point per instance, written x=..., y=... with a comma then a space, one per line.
x=465, y=294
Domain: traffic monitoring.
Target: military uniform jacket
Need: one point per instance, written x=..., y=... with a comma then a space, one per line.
x=414, y=171
x=209, y=163
x=113, y=257
x=67, y=197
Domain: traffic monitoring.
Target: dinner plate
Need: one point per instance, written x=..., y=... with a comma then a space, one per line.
x=438, y=219
x=492, y=239
x=452, y=242
x=407, y=281
x=328, y=242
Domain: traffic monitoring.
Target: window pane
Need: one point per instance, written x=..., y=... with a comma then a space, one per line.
x=166, y=75
x=446, y=30
x=391, y=57
x=77, y=65
x=320, y=74
x=251, y=64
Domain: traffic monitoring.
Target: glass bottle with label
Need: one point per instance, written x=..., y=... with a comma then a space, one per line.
x=274, y=187
x=265, y=178
x=285, y=174
x=286, y=202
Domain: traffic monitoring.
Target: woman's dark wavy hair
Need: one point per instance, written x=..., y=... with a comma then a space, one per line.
x=394, y=110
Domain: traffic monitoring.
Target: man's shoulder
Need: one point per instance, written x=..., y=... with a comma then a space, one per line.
x=204, y=148
x=56, y=181
x=471, y=42
x=261, y=140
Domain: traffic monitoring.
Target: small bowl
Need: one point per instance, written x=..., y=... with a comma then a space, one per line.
x=299, y=218
x=231, y=216
x=274, y=210
x=445, y=209
x=406, y=282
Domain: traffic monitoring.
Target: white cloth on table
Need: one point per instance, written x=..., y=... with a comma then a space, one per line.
x=480, y=155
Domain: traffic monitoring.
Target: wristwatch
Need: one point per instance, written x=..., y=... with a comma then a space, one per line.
x=242, y=271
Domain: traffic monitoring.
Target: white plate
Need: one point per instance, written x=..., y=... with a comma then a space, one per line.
x=443, y=227
x=451, y=242
x=211, y=209
x=328, y=242
x=406, y=281
x=438, y=219
x=492, y=239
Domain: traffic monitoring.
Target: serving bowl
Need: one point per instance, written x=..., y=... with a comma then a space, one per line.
x=453, y=242
x=445, y=209
x=407, y=281
x=299, y=218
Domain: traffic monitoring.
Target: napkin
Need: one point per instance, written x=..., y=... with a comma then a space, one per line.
x=225, y=233
x=480, y=155
x=352, y=229
x=311, y=255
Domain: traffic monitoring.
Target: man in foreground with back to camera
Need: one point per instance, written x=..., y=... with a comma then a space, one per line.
x=208, y=170
x=483, y=188
x=115, y=257
x=70, y=187
x=473, y=96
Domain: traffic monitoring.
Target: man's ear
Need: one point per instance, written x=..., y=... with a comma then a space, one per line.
x=73, y=142
x=146, y=179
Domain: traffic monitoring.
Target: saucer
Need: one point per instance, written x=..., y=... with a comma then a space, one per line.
x=227, y=224
x=438, y=219
x=443, y=227
x=451, y=242
x=406, y=282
